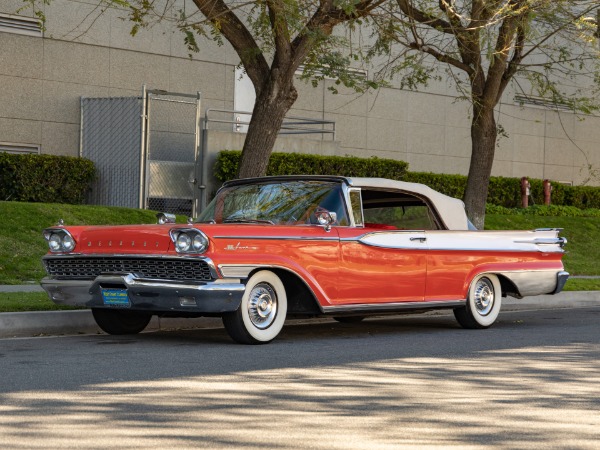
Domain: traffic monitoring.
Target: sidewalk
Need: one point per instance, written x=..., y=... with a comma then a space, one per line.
x=22, y=324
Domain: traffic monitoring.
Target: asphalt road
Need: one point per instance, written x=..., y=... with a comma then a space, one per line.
x=533, y=380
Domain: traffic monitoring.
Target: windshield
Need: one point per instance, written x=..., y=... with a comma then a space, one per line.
x=288, y=202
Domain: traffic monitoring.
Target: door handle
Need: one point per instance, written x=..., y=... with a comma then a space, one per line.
x=420, y=238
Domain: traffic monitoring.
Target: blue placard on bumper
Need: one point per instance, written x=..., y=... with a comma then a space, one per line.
x=115, y=297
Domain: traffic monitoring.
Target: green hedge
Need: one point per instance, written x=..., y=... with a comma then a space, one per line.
x=505, y=192
x=45, y=178
x=226, y=167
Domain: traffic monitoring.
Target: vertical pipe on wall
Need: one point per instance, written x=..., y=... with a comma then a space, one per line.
x=199, y=185
x=81, y=127
x=143, y=148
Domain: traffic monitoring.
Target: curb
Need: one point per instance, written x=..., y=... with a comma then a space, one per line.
x=42, y=323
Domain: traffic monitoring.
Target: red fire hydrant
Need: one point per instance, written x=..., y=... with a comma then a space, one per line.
x=525, y=192
x=547, y=192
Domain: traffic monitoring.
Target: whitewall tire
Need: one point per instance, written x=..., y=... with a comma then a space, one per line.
x=483, y=305
x=261, y=314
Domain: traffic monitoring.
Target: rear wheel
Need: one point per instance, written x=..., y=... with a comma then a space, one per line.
x=114, y=321
x=483, y=303
x=261, y=315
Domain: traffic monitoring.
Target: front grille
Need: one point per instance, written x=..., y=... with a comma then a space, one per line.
x=88, y=268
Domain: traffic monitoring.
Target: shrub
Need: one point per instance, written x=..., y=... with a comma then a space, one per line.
x=226, y=167
x=45, y=178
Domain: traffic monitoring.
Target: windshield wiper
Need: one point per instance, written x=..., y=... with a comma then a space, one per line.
x=249, y=221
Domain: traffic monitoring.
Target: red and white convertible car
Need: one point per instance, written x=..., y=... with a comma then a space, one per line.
x=270, y=248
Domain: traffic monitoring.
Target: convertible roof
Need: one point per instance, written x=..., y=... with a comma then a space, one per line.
x=451, y=210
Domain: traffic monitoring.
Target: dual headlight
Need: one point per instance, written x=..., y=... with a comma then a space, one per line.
x=59, y=241
x=189, y=240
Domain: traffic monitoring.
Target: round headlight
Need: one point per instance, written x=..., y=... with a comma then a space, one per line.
x=68, y=243
x=199, y=243
x=55, y=242
x=183, y=242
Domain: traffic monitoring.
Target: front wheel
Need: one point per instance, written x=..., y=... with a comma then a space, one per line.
x=483, y=303
x=261, y=315
x=113, y=321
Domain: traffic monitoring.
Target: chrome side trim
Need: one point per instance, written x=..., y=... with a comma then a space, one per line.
x=280, y=238
x=237, y=270
x=532, y=282
x=560, y=241
x=391, y=307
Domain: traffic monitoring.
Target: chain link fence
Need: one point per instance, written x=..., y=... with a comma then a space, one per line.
x=111, y=136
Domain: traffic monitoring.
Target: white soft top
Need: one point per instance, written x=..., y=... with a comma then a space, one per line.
x=451, y=210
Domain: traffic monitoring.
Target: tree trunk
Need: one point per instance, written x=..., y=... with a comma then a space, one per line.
x=483, y=146
x=272, y=104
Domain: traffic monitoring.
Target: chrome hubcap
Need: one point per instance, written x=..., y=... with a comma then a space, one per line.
x=484, y=296
x=262, y=306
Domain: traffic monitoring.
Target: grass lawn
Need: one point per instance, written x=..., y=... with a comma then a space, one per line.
x=22, y=244
x=28, y=301
x=582, y=233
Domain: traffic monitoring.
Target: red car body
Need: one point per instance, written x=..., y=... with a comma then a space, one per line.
x=262, y=255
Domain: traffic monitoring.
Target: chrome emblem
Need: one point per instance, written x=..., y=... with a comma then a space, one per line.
x=238, y=246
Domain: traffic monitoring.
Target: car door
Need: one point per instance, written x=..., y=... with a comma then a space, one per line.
x=381, y=266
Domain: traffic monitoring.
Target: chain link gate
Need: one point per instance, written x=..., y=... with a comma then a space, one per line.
x=172, y=135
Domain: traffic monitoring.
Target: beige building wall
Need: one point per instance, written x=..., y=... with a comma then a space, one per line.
x=43, y=78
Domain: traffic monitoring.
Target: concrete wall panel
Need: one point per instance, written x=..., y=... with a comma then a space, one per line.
x=457, y=142
x=21, y=56
x=425, y=139
x=559, y=173
x=131, y=70
x=60, y=139
x=427, y=109
x=347, y=101
x=351, y=130
x=310, y=98
x=155, y=39
x=528, y=149
x=190, y=76
x=76, y=63
x=62, y=101
x=20, y=98
x=390, y=104
x=524, y=169
x=13, y=6
x=559, y=152
x=78, y=22
x=387, y=135
x=20, y=131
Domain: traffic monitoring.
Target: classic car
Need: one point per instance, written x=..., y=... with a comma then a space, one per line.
x=271, y=248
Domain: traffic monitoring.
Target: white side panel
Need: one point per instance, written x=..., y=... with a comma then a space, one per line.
x=519, y=241
x=244, y=97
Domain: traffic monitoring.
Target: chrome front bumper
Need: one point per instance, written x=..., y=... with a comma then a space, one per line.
x=157, y=296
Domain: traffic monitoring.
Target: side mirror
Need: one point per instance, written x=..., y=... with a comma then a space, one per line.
x=164, y=218
x=325, y=218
